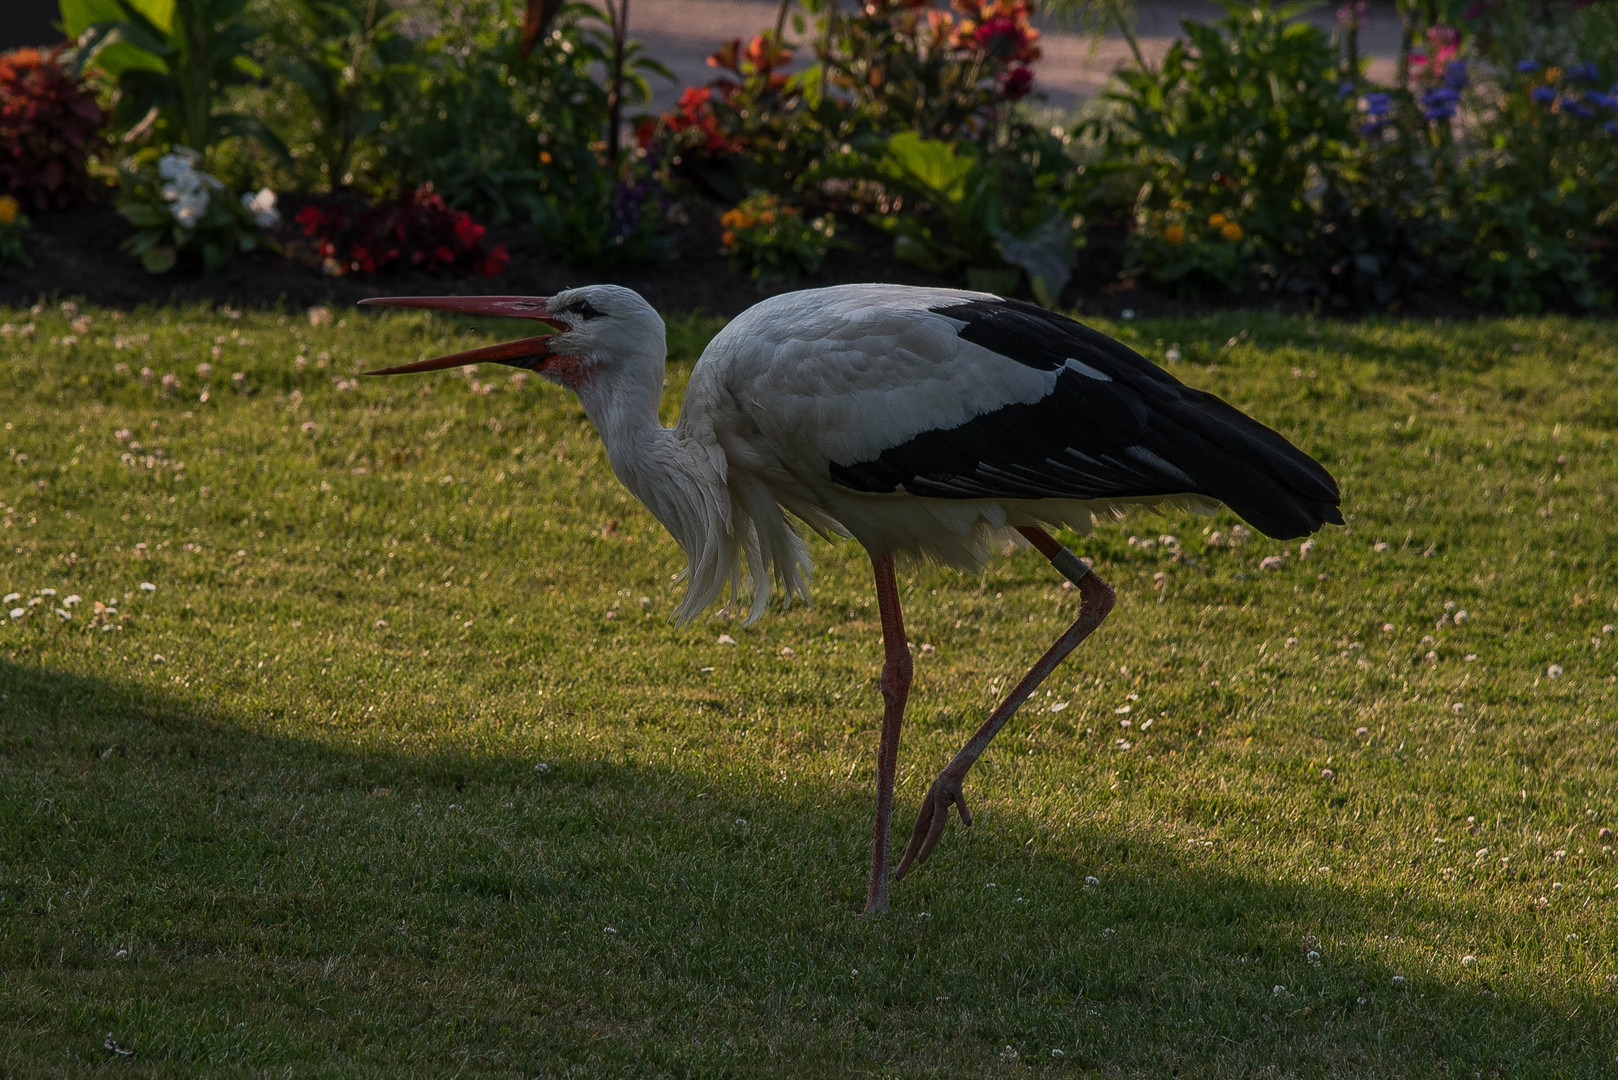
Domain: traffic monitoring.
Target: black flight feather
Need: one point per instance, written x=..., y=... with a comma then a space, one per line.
x=1135, y=432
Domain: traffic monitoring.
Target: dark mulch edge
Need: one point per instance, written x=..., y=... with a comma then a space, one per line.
x=76, y=256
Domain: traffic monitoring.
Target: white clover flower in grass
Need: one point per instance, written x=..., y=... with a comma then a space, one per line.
x=10, y=597
x=262, y=207
x=18, y=612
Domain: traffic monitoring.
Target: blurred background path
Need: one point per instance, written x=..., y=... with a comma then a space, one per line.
x=681, y=33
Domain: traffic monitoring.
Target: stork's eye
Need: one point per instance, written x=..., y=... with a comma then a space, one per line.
x=583, y=309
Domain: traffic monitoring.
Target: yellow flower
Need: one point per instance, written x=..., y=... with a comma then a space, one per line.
x=1179, y=204
x=1175, y=234
x=1231, y=231
x=8, y=210
x=1216, y=220
x=1553, y=74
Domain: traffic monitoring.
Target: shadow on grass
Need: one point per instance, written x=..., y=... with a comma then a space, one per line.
x=220, y=896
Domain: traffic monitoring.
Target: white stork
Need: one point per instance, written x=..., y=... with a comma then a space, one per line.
x=920, y=422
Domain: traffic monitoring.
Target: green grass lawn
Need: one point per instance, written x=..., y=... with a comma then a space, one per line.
x=401, y=769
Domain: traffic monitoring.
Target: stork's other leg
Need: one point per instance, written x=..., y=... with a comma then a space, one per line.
x=895, y=690
x=1096, y=599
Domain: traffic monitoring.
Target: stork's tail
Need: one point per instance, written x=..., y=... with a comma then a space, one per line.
x=1275, y=487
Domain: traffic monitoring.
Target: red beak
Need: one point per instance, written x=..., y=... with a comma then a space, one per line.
x=527, y=353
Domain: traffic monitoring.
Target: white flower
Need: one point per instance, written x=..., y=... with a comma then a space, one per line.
x=10, y=596
x=1554, y=671
x=18, y=612
x=147, y=586
x=189, y=207
x=179, y=163
x=262, y=207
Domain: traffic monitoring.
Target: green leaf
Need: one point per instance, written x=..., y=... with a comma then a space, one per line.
x=142, y=215
x=931, y=163
x=79, y=15
x=159, y=259
x=231, y=125
x=1045, y=254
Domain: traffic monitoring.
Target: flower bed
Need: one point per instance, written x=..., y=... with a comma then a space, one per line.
x=1255, y=163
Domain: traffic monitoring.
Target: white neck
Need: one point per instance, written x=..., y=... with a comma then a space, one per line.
x=722, y=522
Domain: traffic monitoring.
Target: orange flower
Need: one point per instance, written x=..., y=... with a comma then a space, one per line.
x=764, y=54
x=1216, y=220
x=1175, y=234
x=9, y=209
x=726, y=56
x=545, y=157
x=1231, y=231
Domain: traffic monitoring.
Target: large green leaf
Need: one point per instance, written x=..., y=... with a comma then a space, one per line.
x=79, y=15
x=931, y=163
x=1045, y=253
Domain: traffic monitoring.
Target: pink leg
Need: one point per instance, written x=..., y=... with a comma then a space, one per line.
x=1096, y=600
x=895, y=690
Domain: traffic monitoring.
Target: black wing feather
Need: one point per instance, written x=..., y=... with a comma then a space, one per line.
x=1138, y=433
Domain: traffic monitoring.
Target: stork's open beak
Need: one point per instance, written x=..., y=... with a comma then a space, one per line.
x=527, y=353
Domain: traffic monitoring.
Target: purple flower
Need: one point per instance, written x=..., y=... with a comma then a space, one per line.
x=1378, y=104
x=1345, y=90
x=1544, y=95
x=1371, y=128
x=1439, y=103
x=1605, y=101
x=1578, y=108
x=1526, y=66
x=1583, y=71
x=1456, y=76
x=1611, y=128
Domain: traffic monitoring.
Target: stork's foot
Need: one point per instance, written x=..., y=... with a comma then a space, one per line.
x=945, y=792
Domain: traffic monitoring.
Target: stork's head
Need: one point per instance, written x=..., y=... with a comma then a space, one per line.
x=606, y=336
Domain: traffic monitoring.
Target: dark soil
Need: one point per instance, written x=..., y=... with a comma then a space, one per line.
x=76, y=256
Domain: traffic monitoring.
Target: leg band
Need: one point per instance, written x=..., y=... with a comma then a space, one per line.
x=1070, y=565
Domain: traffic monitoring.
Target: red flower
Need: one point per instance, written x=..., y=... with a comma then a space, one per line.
x=444, y=255
x=1016, y=83
x=494, y=262
x=1007, y=39
x=467, y=231
x=312, y=218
